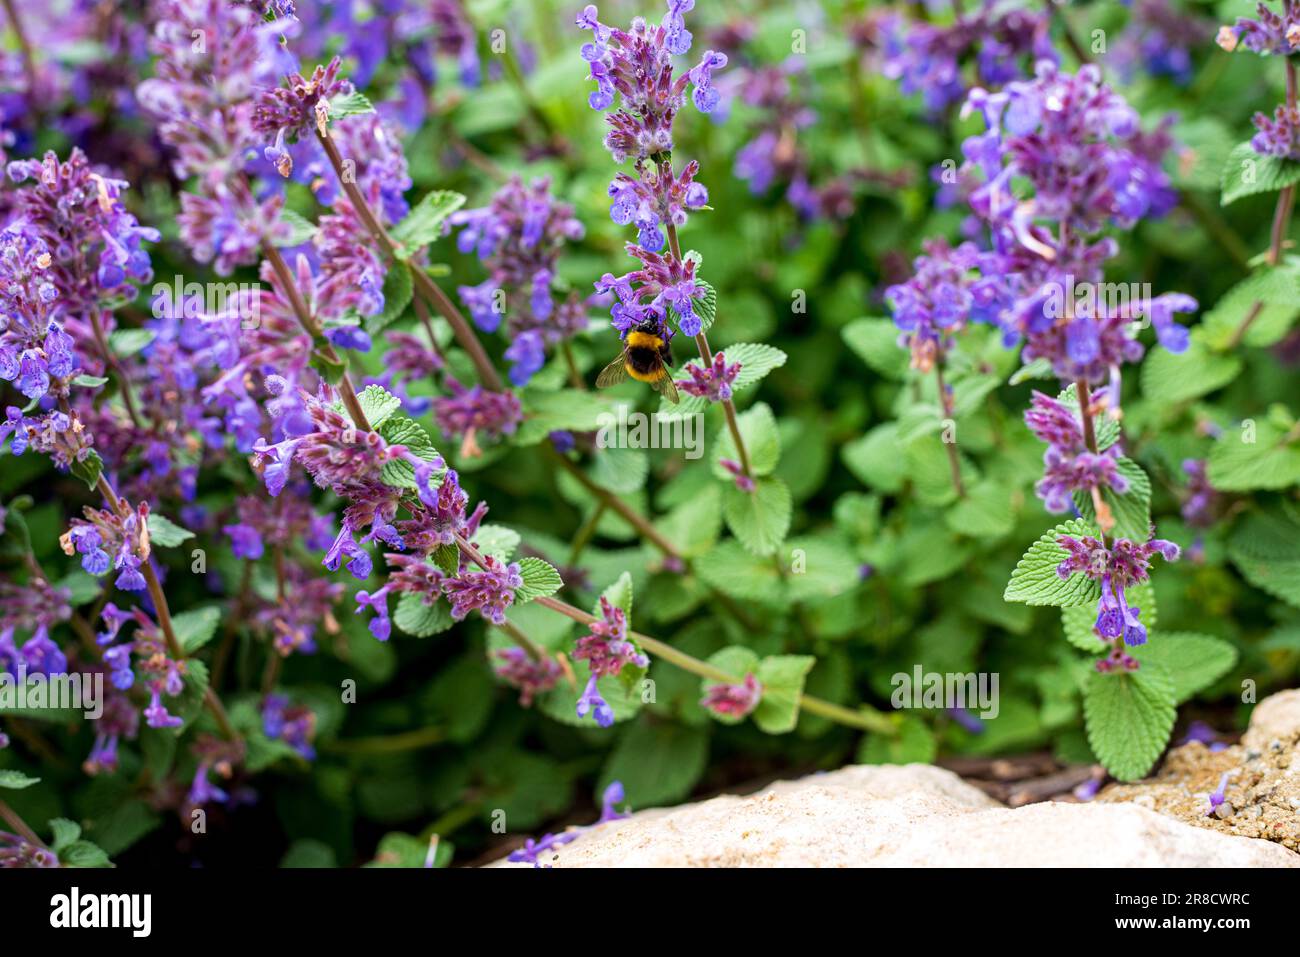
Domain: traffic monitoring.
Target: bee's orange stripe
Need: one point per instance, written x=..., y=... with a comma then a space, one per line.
x=644, y=340
x=653, y=376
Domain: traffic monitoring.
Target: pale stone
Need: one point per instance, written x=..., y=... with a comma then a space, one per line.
x=1276, y=718
x=908, y=816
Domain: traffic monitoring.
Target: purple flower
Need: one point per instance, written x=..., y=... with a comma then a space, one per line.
x=1116, y=568
x=737, y=472
x=380, y=626
x=532, y=676
x=295, y=725
x=1219, y=796
x=491, y=590
x=733, y=700
x=713, y=383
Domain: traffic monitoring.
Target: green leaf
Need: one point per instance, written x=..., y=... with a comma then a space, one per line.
x=1277, y=288
x=84, y=854
x=350, y=104
x=1193, y=661
x=1035, y=581
x=405, y=850
x=568, y=410
x=400, y=429
x=1265, y=547
x=496, y=540
x=425, y=222
x=693, y=525
x=127, y=342
x=1132, y=510
x=782, y=678
x=195, y=628
x=875, y=342
x=1247, y=173
x=759, y=519
x=90, y=381
x=301, y=229
x=65, y=832
x=988, y=511
x=1267, y=462
x=16, y=780
x=398, y=291
x=540, y=580
x=1039, y=368
x=914, y=744
x=1129, y=715
x=378, y=404
x=619, y=595
x=88, y=469
x=419, y=620
x=876, y=459
x=307, y=852
x=657, y=762
x=1173, y=377
x=736, y=572
x=762, y=441
x=163, y=531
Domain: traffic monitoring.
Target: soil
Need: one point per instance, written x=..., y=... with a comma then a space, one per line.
x=1262, y=798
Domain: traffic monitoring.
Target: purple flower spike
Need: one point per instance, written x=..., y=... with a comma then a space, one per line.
x=713, y=383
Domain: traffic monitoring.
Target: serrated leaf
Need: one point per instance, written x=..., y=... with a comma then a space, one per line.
x=619, y=595
x=398, y=292
x=1265, y=547
x=16, y=780
x=163, y=531
x=1128, y=716
x=759, y=519
x=1193, y=661
x=127, y=342
x=1247, y=173
x=657, y=762
x=914, y=744
x=425, y=222
x=1132, y=510
x=1035, y=581
x=1269, y=462
x=782, y=678
x=1172, y=377
x=195, y=628
x=350, y=104
x=875, y=342
x=84, y=854
x=1270, y=297
x=734, y=571
x=88, y=469
x=693, y=525
x=540, y=580
x=1106, y=428
x=65, y=832
x=496, y=540
x=876, y=459
x=400, y=429
x=378, y=404
x=568, y=410
x=988, y=511
x=90, y=381
x=1039, y=368
x=447, y=557
x=419, y=620
x=300, y=231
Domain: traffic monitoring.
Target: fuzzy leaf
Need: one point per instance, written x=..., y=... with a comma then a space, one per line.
x=350, y=104
x=540, y=580
x=1173, y=377
x=163, y=531
x=301, y=229
x=1132, y=510
x=1035, y=581
x=419, y=620
x=195, y=628
x=425, y=222
x=762, y=441
x=759, y=519
x=1129, y=716
x=16, y=780
x=1193, y=661
x=782, y=678
x=875, y=342
x=398, y=291
x=1247, y=173
x=1269, y=462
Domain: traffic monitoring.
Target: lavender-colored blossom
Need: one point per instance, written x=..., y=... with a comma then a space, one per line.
x=607, y=649
x=1117, y=567
x=1219, y=795
x=532, y=851
x=1068, y=465
x=490, y=590
x=295, y=725
x=471, y=413
x=532, y=676
x=951, y=288
x=713, y=383
x=733, y=700
x=1267, y=33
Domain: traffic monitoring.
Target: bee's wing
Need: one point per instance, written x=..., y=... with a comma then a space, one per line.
x=612, y=374
x=665, y=386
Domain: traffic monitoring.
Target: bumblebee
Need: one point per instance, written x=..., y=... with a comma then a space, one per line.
x=646, y=357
